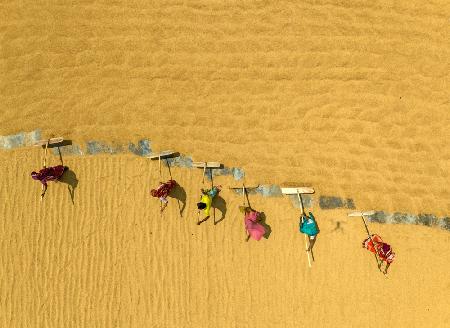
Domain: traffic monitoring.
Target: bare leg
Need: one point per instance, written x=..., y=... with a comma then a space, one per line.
x=163, y=206
x=248, y=238
x=312, y=242
x=386, y=268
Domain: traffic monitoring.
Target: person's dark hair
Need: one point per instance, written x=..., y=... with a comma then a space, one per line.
x=201, y=206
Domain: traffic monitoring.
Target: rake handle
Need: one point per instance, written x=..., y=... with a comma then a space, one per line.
x=301, y=203
x=370, y=237
x=204, y=172
x=159, y=160
x=306, y=240
x=45, y=165
x=45, y=153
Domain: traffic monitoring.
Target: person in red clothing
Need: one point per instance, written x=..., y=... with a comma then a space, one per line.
x=383, y=250
x=163, y=191
x=53, y=173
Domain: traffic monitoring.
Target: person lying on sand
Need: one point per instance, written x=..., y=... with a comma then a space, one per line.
x=252, y=223
x=206, y=200
x=163, y=191
x=308, y=225
x=384, y=251
x=46, y=174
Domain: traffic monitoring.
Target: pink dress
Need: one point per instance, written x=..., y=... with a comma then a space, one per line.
x=255, y=229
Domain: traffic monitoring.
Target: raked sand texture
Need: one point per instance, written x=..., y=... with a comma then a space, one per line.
x=109, y=259
x=349, y=97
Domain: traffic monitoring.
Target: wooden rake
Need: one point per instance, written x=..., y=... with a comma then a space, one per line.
x=46, y=143
x=204, y=166
x=165, y=155
x=244, y=196
x=244, y=192
x=299, y=191
x=362, y=215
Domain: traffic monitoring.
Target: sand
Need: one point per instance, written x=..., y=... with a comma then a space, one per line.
x=349, y=98
x=109, y=259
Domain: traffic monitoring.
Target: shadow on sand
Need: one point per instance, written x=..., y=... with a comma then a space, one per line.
x=179, y=194
x=70, y=178
x=262, y=220
x=221, y=205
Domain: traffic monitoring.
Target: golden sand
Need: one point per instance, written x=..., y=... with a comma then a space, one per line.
x=350, y=98
x=110, y=259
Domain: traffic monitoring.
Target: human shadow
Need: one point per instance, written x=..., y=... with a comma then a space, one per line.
x=267, y=228
x=179, y=194
x=221, y=205
x=70, y=178
x=338, y=227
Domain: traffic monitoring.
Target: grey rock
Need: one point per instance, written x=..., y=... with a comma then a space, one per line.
x=141, y=149
x=180, y=161
x=67, y=150
x=97, y=147
x=330, y=202
x=269, y=191
x=349, y=204
x=426, y=219
x=444, y=223
x=22, y=139
x=378, y=217
x=237, y=173
x=307, y=201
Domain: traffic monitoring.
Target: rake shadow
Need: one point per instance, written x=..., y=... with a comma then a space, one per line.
x=70, y=178
x=180, y=195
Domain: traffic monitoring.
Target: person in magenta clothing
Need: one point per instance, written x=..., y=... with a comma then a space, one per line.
x=53, y=173
x=252, y=222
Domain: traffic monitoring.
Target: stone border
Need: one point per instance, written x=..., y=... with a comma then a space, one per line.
x=22, y=139
x=428, y=220
x=143, y=148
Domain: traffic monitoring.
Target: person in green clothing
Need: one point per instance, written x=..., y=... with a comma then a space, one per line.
x=206, y=201
x=308, y=225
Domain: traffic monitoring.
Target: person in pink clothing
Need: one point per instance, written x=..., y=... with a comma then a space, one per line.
x=252, y=221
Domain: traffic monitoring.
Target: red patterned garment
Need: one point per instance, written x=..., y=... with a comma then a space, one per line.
x=49, y=174
x=164, y=189
x=383, y=250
